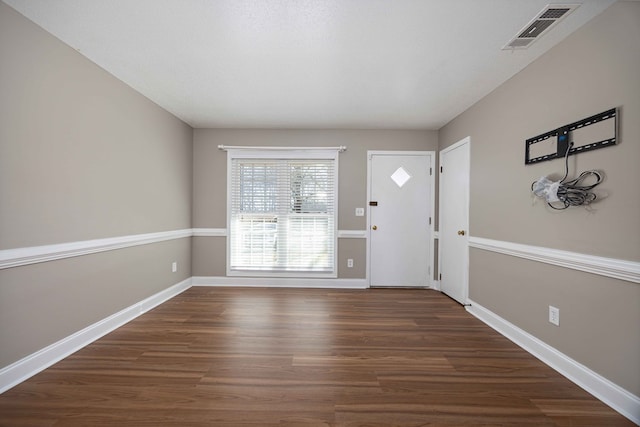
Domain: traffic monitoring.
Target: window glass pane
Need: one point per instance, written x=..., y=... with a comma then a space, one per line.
x=282, y=215
x=256, y=241
x=311, y=187
x=309, y=241
x=257, y=187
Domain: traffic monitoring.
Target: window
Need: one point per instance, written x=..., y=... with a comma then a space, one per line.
x=282, y=213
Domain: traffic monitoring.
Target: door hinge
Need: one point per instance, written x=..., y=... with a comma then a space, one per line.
x=430, y=171
x=440, y=276
x=429, y=220
x=440, y=169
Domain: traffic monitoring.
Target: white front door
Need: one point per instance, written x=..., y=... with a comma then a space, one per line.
x=453, y=249
x=400, y=210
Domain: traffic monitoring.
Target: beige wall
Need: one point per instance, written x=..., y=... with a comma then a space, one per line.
x=209, y=182
x=82, y=156
x=596, y=68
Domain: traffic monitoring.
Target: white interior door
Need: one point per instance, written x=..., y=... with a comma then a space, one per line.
x=453, y=248
x=400, y=210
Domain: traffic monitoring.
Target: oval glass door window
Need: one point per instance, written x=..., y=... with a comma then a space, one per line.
x=400, y=176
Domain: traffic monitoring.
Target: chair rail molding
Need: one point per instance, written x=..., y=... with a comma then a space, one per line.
x=609, y=267
x=35, y=254
x=209, y=232
x=352, y=234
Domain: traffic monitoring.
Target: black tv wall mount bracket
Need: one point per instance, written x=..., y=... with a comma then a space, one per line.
x=604, y=134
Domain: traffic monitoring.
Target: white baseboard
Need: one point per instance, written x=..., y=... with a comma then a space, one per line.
x=613, y=395
x=621, y=400
x=279, y=282
x=27, y=367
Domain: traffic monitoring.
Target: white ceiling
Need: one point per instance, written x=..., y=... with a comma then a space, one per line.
x=413, y=64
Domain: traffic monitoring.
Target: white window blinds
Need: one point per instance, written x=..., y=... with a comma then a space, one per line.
x=282, y=215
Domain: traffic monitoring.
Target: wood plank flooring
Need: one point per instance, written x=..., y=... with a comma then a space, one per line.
x=303, y=357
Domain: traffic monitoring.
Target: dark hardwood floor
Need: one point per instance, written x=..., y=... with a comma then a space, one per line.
x=303, y=357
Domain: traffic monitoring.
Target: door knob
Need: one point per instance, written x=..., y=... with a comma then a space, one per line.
x=375, y=227
x=460, y=232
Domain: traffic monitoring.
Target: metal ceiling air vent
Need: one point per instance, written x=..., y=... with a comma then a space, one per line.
x=542, y=23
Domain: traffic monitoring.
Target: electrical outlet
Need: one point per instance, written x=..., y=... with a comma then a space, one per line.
x=350, y=263
x=554, y=315
x=359, y=211
x=174, y=267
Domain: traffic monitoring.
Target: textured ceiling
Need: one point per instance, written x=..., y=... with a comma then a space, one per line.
x=413, y=64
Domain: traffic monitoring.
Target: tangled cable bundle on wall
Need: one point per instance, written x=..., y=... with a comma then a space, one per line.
x=567, y=193
x=592, y=133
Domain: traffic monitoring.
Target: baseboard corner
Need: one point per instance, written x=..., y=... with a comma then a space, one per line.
x=28, y=366
x=621, y=400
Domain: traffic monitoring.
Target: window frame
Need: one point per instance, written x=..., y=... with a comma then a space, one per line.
x=282, y=153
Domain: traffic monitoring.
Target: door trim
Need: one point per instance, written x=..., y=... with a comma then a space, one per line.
x=463, y=141
x=432, y=204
